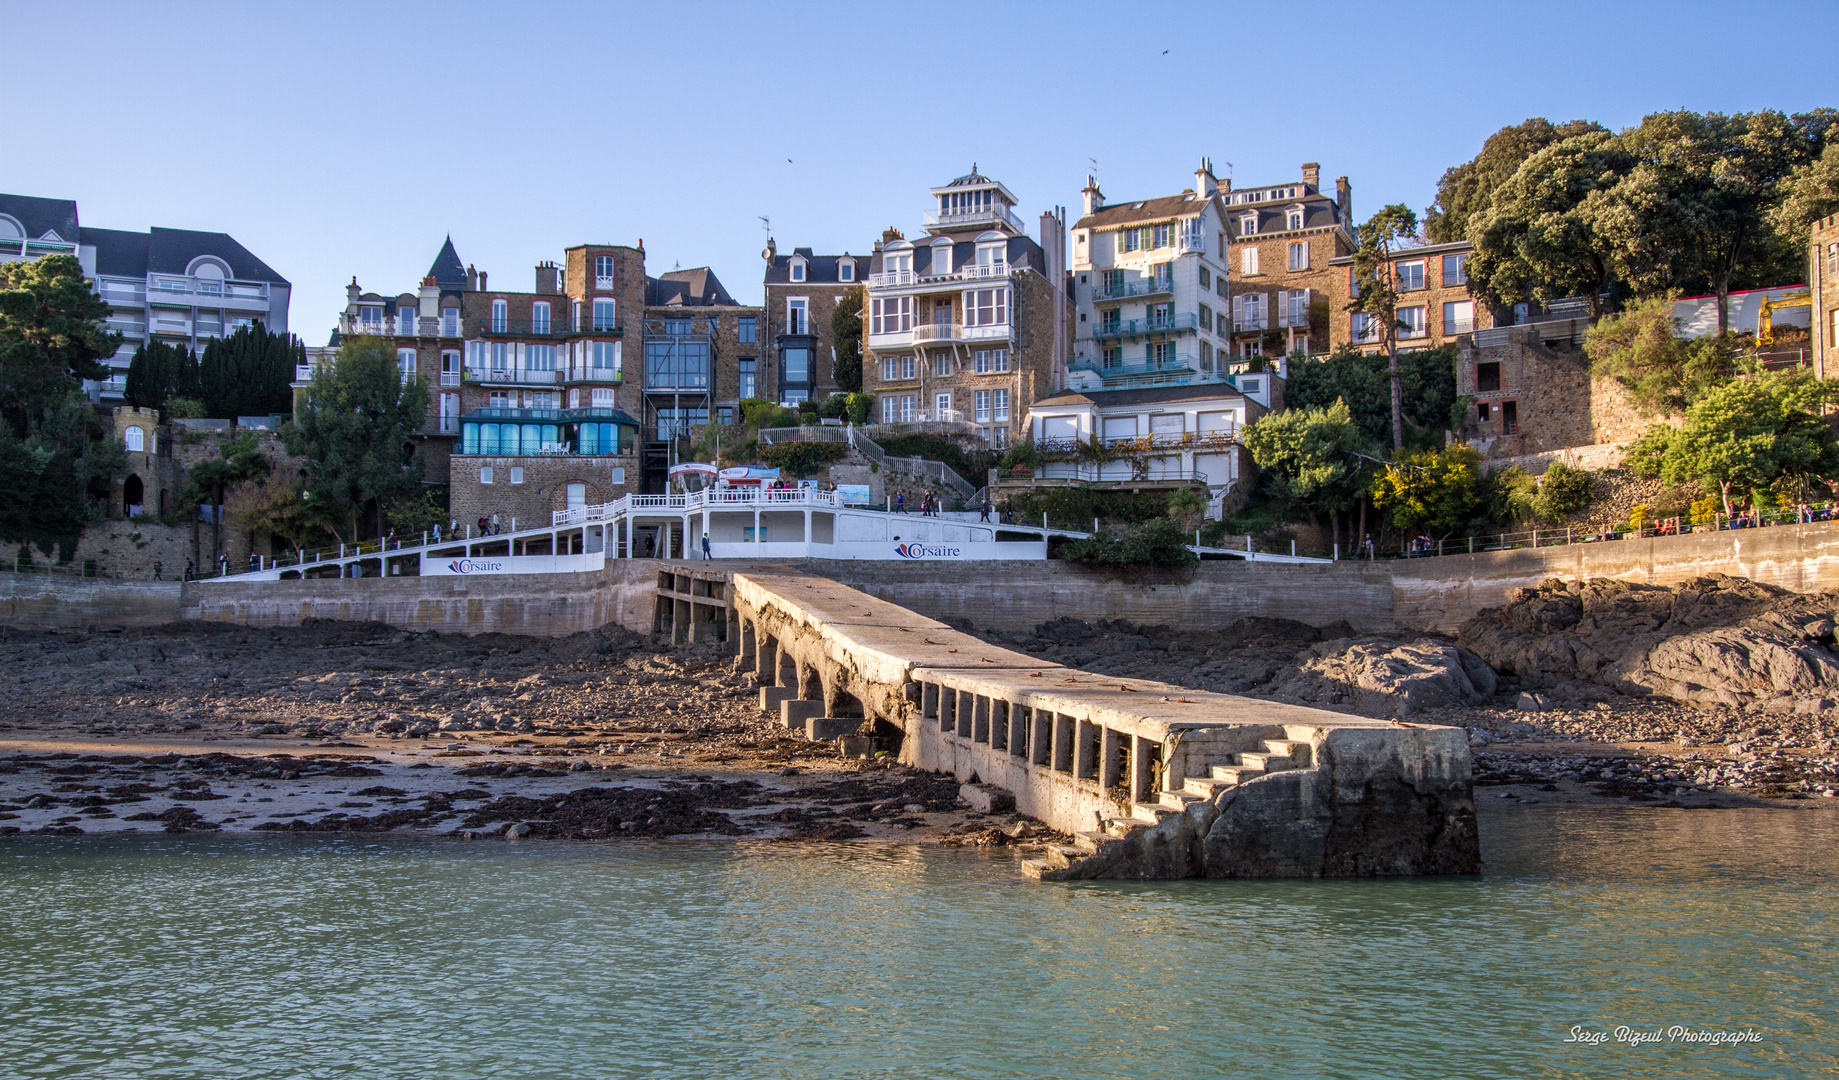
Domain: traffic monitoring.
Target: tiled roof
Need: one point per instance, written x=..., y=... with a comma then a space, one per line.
x=819, y=269
x=1147, y=395
x=1127, y=213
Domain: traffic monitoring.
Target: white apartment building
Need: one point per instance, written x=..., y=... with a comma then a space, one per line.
x=1150, y=289
x=174, y=285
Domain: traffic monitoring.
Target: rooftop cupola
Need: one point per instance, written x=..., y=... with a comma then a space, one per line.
x=973, y=202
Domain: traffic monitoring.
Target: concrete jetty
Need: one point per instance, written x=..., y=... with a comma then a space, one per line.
x=1151, y=780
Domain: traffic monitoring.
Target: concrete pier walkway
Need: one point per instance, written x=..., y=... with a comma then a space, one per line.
x=1152, y=780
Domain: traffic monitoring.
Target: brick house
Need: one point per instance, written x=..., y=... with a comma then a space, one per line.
x=1434, y=304
x=427, y=330
x=969, y=322
x=698, y=345
x=1149, y=288
x=1286, y=239
x=1823, y=290
x=802, y=293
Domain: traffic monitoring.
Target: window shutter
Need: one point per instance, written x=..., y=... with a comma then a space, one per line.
x=1238, y=312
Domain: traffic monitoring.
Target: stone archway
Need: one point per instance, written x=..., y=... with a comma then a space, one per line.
x=133, y=496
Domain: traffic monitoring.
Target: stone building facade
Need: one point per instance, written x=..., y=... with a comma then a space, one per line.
x=1434, y=303
x=1149, y=286
x=1532, y=395
x=802, y=293
x=1285, y=240
x=1823, y=287
x=969, y=322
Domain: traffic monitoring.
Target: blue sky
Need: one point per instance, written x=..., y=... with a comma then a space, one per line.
x=341, y=139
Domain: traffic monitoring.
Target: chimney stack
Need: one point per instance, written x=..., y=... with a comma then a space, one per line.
x=1344, y=199
x=351, y=295
x=771, y=252
x=548, y=279
x=472, y=278
x=1205, y=185
x=482, y=281
x=429, y=300
x=1094, y=198
x=1312, y=174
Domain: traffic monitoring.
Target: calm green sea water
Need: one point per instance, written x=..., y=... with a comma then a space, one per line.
x=193, y=956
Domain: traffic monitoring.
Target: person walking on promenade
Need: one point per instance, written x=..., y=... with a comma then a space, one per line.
x=900, y=502
x=191, y=570
x=706, y=557
x=223, y=566
x=494, y=524
x=983, y=509
x=1007, y=517
x=157, y=568
x=926, y=503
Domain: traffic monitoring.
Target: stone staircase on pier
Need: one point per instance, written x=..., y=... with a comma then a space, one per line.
x=1065, y=860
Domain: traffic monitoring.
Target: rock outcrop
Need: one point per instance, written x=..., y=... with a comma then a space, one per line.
x=1711, y=641
x=1380, y=677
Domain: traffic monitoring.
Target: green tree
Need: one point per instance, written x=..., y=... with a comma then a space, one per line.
x=1159, y=541
x=1314, y=461
x=51, y=337
x=249, y=373
x=1427, y=381
x=356, y=431
x=1376, y=291
x=1641, y=349
x=1466, y=189
x=160, y=372
x=1538, y=236
x=1745, y=436
x=846, y=336
x=1810, y=193
x=1436, y=491
x=56, y=481
x=1694, y=208
x=276, y=505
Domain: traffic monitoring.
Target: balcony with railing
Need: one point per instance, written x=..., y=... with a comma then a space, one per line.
x=972, y=272
x=964, y=219
x=512, y=377
x=1176, y=369
x=1172, y=323
x=1251, y=324
x=1124, y=290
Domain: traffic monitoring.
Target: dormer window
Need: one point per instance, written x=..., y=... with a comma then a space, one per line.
x=941, y=260
x=1293, y=218
x=1248, y=225
x=798, y=269
x=846, y=270
x=603, y=271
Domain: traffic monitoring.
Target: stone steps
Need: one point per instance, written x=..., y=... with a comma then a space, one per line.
x=1277, y=756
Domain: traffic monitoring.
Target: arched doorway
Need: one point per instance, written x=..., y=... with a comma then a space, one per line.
x=133, y=496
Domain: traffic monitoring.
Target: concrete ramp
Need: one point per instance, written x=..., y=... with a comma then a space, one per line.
x=1152, y=780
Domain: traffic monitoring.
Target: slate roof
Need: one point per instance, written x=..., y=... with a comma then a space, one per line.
x=447, y=270
x=170, y=251
x=819, y=269
x=119, y=253
x=40, y=216
x=1319, y=212
x=1129, y=213
x=1021, y=252
x=687, y=288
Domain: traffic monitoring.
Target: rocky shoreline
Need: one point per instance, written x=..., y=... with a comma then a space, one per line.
x=360, y=728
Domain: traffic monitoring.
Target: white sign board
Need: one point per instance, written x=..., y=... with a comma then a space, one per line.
x=484, y=565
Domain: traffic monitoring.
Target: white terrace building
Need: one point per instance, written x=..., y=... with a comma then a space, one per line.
x=1153, y=436
x=1149, y=287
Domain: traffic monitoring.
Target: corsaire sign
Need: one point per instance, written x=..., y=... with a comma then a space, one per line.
x=927, y=551
x=479, y=565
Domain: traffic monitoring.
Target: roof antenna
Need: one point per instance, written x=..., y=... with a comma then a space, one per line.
x=766, y=223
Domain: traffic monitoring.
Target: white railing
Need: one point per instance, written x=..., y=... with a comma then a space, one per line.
x=450, y=378
x=536, y=378
x=637, y=504
x=938, y=332
x=894, y=277
x=992, y=214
